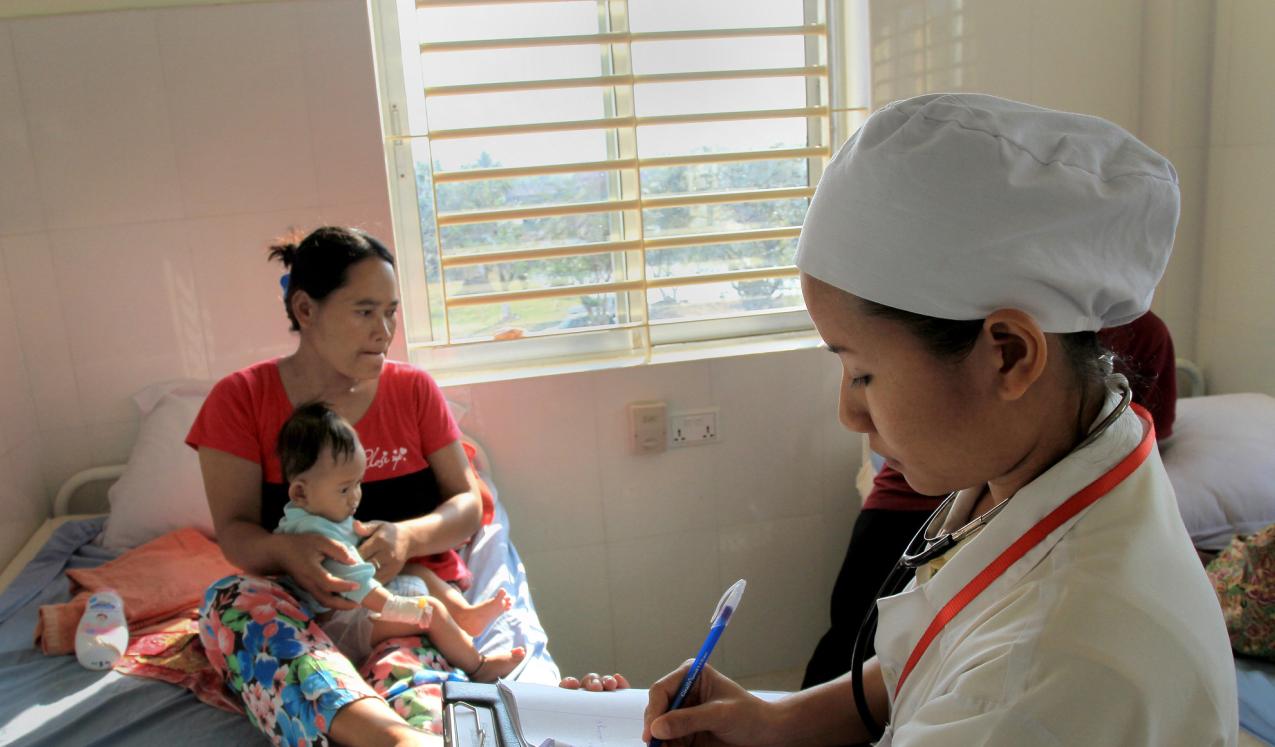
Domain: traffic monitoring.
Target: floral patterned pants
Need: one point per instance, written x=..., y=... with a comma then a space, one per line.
x=290, y=677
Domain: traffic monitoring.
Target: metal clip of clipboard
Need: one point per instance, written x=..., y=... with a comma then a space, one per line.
x=478, y=735
x=474, y=715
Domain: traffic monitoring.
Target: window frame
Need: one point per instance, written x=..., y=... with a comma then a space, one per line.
x=398, y=67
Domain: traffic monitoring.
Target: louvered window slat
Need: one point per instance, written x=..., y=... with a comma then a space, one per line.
x=592, y=182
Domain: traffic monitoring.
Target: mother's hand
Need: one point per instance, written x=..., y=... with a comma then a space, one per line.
x=387, y=547
x=301, y=557
x=595, y=683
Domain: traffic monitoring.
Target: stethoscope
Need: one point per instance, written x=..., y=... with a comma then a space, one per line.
x=925, y=546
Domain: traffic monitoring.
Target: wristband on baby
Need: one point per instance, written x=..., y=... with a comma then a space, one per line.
x=415, y=610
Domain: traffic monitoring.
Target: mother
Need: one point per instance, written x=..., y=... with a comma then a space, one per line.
x=419, y=498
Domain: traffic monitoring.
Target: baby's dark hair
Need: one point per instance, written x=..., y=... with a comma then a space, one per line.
x=320, y=262
x=312, y=428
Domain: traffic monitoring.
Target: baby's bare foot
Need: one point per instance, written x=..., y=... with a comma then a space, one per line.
x=494, y=666
x=476, y=618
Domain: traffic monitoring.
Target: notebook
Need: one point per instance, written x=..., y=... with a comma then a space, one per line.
x=547, y=716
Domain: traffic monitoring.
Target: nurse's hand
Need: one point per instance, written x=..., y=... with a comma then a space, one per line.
x=595, y=683
x=717, y=711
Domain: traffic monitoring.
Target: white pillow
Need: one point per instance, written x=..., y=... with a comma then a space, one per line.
x=162, y=488
x=1221, y=461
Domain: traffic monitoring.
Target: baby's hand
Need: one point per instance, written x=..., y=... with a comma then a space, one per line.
x=414, y=610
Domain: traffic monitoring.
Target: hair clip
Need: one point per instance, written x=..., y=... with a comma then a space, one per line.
x=283, y=281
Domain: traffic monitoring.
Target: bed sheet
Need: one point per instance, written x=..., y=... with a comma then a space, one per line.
x=48, y=701
x=1256, y=680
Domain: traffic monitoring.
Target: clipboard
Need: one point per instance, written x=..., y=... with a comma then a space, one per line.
x=474, y=715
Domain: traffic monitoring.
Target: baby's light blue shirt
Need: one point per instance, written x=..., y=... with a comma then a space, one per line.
x=297, y=520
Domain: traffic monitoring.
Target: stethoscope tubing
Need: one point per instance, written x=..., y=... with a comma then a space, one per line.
x=894, y=582
x=932, y=548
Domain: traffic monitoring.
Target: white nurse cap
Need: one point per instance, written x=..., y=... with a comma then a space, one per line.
x=955, y=205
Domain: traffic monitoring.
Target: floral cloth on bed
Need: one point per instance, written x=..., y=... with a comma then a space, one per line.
x=396, y=661
x=1243, y=576
x=291, y=678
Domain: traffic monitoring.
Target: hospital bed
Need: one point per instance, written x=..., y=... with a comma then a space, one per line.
x=52, y=700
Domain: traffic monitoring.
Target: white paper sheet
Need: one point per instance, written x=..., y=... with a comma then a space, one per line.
x=546, y=716
x=552, y=716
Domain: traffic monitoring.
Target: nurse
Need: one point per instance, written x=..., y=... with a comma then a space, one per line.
x=958, y=257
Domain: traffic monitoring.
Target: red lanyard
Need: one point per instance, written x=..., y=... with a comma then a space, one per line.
x=1012, y=554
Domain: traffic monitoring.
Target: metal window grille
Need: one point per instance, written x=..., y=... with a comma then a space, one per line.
x=589, y=179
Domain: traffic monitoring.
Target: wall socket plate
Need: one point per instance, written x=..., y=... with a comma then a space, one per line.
x=648, y=427
x=693, y=428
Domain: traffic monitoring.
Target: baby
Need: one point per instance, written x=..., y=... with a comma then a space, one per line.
x=323, y=464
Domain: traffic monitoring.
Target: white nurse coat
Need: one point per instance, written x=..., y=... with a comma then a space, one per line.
x=1105, y=633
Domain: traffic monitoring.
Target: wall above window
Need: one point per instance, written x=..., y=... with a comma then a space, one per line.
x=32, y=8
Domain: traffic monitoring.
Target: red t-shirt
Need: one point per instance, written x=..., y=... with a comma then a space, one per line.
x=408, y=420
x=1144, y=354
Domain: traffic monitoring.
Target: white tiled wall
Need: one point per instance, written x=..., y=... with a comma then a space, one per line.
x=628, y=554
x=149, y=156
x=101, y=136
x=1080, y=56
x=1144, y=66
x=1177, y=57
x=1237, y=311
x=22, y=493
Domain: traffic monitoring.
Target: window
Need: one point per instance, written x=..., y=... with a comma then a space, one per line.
x=585, y=179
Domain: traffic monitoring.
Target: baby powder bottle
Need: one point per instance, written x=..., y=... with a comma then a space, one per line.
x=102, y=635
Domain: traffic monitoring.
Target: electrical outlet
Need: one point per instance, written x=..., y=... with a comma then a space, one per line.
x=648, y=427
x=693, y=427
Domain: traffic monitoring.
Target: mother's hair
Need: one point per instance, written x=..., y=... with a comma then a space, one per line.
x=319, y=263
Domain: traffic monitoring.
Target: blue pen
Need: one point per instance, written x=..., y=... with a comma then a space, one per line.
x=717, y=623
